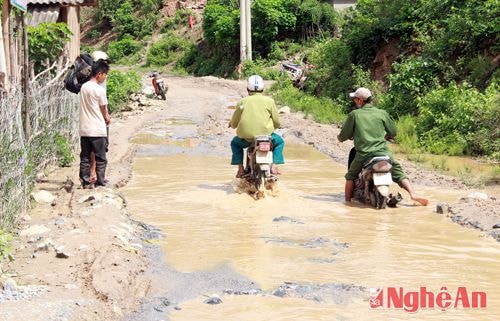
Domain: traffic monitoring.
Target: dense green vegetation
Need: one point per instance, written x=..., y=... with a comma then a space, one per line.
x=46, y=43
x=438, y=76
x=119, y=87
x=136, y=18
x=275, y=24
x=441, y=83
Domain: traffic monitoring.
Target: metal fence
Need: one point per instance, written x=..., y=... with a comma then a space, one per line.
x=53, y=113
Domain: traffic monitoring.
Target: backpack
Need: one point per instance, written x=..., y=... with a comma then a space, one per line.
x=79, y=73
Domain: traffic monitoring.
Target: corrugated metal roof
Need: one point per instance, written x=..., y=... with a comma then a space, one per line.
x=70, y=2
x=41, y=14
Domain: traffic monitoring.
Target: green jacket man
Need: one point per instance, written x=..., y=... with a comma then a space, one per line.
x=369, y=126
x=255, y=115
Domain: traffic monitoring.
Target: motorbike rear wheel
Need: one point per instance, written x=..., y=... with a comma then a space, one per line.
x=373, y=199
x=161, y=90
x=380, y=200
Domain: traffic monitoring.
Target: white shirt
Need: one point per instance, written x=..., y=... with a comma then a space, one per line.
x=92, y=123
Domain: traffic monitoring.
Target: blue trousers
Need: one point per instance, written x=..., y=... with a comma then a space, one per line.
x=237, y=145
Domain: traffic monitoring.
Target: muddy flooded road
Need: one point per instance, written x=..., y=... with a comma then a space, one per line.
x=302, y=255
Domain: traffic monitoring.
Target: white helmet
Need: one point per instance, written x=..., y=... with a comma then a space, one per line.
x=255, y=83
x=97, y=55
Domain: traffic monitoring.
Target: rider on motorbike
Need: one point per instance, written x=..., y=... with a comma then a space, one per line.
x=368, y=127
x=255, y=115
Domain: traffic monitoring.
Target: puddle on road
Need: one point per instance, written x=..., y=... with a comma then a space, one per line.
x=471, y=170
x=306, y=236
x=180, y=132
x=155, y=139
x=179, y=121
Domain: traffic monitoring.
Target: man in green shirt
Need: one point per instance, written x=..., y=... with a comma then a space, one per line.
x=368, y=127
x=255, y=115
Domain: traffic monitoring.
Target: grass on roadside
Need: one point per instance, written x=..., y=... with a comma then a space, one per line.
x=5, y=246
x=323, y=110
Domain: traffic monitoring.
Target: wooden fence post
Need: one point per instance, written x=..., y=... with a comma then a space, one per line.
x=26, y=81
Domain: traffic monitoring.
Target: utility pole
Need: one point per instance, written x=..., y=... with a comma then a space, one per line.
x=243, y=32
x=249, y=29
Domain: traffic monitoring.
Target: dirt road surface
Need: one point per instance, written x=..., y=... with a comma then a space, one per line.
x=82, y=256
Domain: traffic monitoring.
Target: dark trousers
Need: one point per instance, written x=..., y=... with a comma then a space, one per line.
x=98, y=146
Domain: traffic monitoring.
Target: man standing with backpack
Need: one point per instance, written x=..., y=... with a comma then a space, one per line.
x=99, y=56
x=94, y=118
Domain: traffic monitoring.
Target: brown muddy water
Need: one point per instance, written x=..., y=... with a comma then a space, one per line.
x=330, y=253
x=474, y=171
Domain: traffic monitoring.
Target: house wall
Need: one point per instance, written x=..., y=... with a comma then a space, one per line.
x=73, y=19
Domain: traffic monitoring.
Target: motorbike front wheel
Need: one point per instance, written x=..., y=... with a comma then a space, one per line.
x=260, y=184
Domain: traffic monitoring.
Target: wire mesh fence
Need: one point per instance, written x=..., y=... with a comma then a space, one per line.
x=53, y=114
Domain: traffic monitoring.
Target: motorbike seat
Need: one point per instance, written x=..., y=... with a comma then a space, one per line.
x=263, y=138
x=375, y=160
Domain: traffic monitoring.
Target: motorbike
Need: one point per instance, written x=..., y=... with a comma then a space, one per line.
x=159, y=85
x=258, y=163
x=372, y=185
x=295, y=72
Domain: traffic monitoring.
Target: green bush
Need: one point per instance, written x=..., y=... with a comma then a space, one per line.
x=221, y=23
x=94, y=34
x=478, y=69
x=373, y=22
x=460, y=120
x=407, y=134
x=200, y=61
x=277, y=52
x=411, y=79
x=181, y=18
x=132, y=17
x=466, y=28
x=271, y=19
x=317, y=18
x=168, y=49
x=119, y=87
x=125, y=50
x=46, y=42
x=125, y=22
x=260, y=67
x=334, y=70
x=5, y=246
x=64, y=152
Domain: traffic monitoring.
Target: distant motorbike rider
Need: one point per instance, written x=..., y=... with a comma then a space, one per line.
x=154, y=75
x=255, y=115
x=368, y=127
